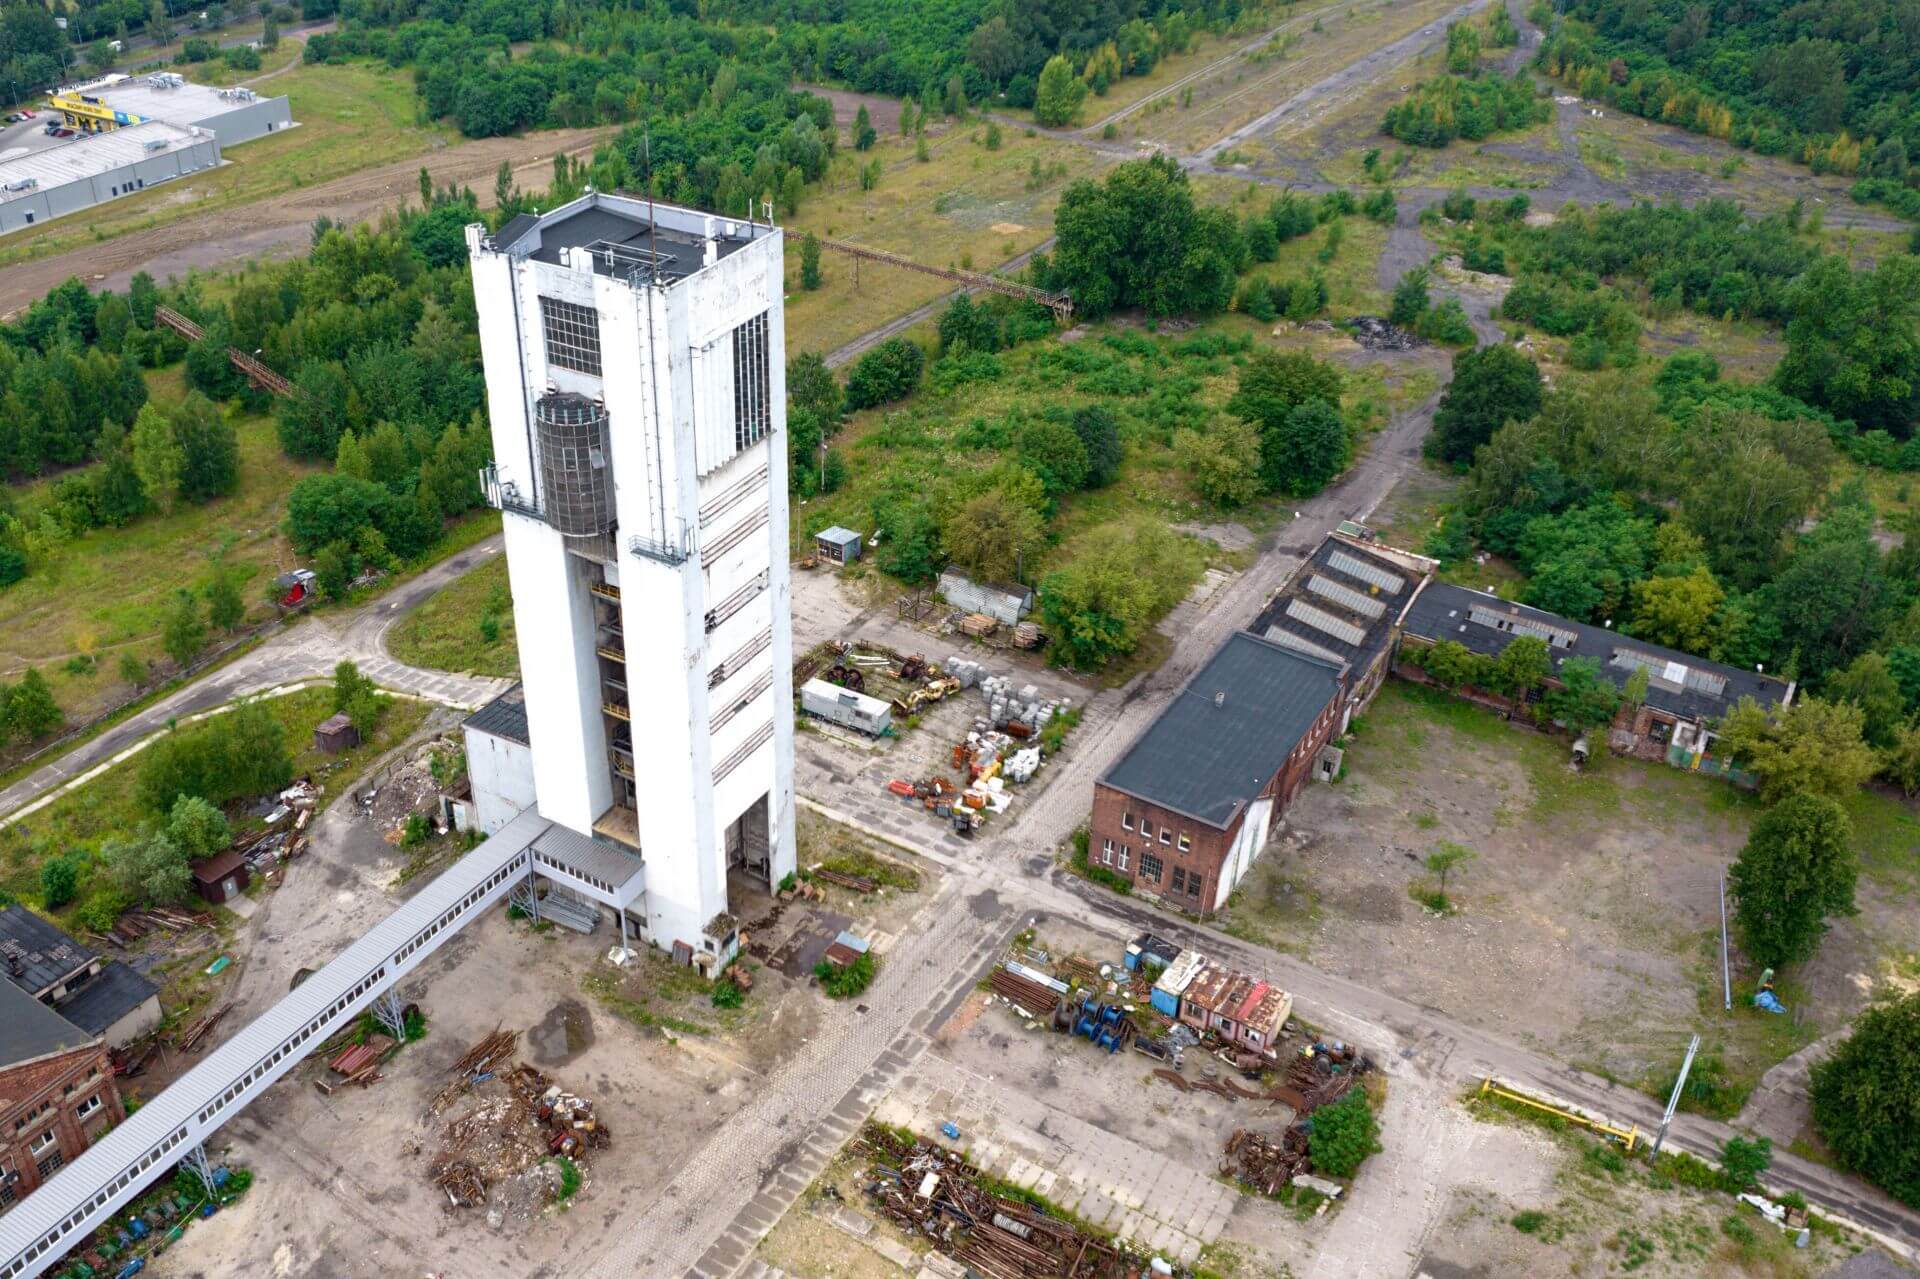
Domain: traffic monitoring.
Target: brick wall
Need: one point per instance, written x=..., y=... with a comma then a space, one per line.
x=63, y=1084
x=1117, y=817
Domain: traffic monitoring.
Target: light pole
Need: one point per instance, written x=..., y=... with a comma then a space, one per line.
x=1673, y=1102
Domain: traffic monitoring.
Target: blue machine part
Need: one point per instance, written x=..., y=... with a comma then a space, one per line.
x=950, y=1131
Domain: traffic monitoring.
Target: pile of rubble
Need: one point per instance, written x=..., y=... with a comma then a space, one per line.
x=496, y=1153
x=935, y=1193
x=1266, y=1164
x=407, y=788
x=1375, y=334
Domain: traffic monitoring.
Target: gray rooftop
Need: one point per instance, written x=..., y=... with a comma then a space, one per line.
x=1224, y=736
x=1682, y=685
x=591, y=858
x=186, y=103
x=1342, y=602
x=838, y=536
x=37, y=954
x=108, y=997
x=504, y=717
x=88, y=156
x=627, y=235
x=30, y=1030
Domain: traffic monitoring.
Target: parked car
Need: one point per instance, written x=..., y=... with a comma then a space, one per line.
x=20, y=117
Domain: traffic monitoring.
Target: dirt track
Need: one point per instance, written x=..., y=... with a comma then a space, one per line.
x=280, y=224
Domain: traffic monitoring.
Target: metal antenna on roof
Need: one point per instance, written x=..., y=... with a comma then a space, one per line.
x=653, y=223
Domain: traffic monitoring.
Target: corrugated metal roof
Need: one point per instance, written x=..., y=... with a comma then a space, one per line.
x=42, y=953
x=179, y=1105
x=1180, y=972
x=590, y=857
x=87, y=157
x=504, y=717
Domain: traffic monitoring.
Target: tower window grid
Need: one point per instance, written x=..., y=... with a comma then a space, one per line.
x=572, y=334
x=752, y=383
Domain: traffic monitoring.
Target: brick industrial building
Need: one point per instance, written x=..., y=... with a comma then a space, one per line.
x=1184, y=812
x=56, y=1092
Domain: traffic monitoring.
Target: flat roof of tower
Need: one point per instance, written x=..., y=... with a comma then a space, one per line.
x=623, y=239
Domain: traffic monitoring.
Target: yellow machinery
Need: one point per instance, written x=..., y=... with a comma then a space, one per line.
x=1492, y=1087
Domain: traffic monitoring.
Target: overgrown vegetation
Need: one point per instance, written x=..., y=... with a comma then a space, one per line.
x=845, y=983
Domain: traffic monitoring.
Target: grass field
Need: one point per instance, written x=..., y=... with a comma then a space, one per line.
x=105, y=593
x=349, y=116
x=109, y=806
x=445, y=633
x=965, y=207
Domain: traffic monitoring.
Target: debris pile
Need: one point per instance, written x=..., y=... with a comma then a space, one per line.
x=359, y=1063
x=190, y=1039
x=1264, y=1163
x=1028, y=998
x=935, y=1193
x=135, y=924
x=503, y=1139
x=1375, y=334
x=406, y=788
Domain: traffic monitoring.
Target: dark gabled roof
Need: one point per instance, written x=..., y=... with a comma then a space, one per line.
x=30, y=1030
x=43, y=954
x=104, y=1000
x=1342, y=602
x=211, y=870
x=504, y=717
x=1682, y=685
x=1224, y=736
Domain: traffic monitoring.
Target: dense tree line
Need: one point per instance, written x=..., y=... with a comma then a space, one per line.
x=1476, y=107
x=1832, y=85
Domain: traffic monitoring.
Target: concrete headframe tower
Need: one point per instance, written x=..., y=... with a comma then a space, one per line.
x=635, y=361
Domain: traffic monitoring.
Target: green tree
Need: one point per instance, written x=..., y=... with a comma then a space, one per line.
x=1866, y=1098
x=1814, y=746
x=1869, y=684
x=1222, y=462
x=225, y=608
x=1491, y=386
x=118, y=495
x=1344, y=1133
x=1853, y=341
x=197, y=828
x=1122, y=577
x=1053, y=451
x=792, y=187
x=1099, y=432
x=184, y=632
x=157, y=456
x=31, y=711
x=1582, y=562
x=348, y=684
x=1445, y=859
x=209, y=449
x=812, y=388
x=1743, y=1161
x=59, y=881
x=1410, y=300
x=1798, y=868
x=1900, y=761
x=1304, y=450
x=1523, y=666
x=810, y=262
x=994, y=536
x=888, y=372
x=148, y=869
x=1586, y=699
x=864, y=134
x=1060, y=93
x=1273, y=383
x=1680, y=611
x=311, y=418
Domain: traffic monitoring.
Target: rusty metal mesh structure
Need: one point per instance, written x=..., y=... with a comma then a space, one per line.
x=576, y=474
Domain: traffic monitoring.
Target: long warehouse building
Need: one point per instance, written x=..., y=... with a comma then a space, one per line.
x=42, y=185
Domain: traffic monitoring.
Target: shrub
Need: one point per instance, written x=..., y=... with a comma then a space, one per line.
x=728, y=995
x=231, y=756
x=845, y=983
x=888, y=372
x=59, y=881
x=1530, y=1222
x=1343, y=1135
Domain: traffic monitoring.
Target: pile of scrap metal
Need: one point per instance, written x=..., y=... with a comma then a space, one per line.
x=509, y=1133
x=935, y=1193
x=1029, y=998
x=847, y=677
x=1264, y=1164
x=1314, y=1080
x=477, y=1065
x=359, y=1063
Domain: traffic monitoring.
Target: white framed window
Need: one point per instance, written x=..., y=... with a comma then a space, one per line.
x=87, y=1107
x=41, y=1142
x=1106, y=852
x=1146, y=829
x=572, y=334
x=1125, y=854
x=1186, y=844
x=1126, y=821
x=1166, y=836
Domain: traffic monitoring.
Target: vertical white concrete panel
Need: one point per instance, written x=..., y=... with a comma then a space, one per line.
x=779, y=597
x=553, y=618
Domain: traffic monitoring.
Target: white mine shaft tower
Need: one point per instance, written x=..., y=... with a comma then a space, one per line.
x=635, y=360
